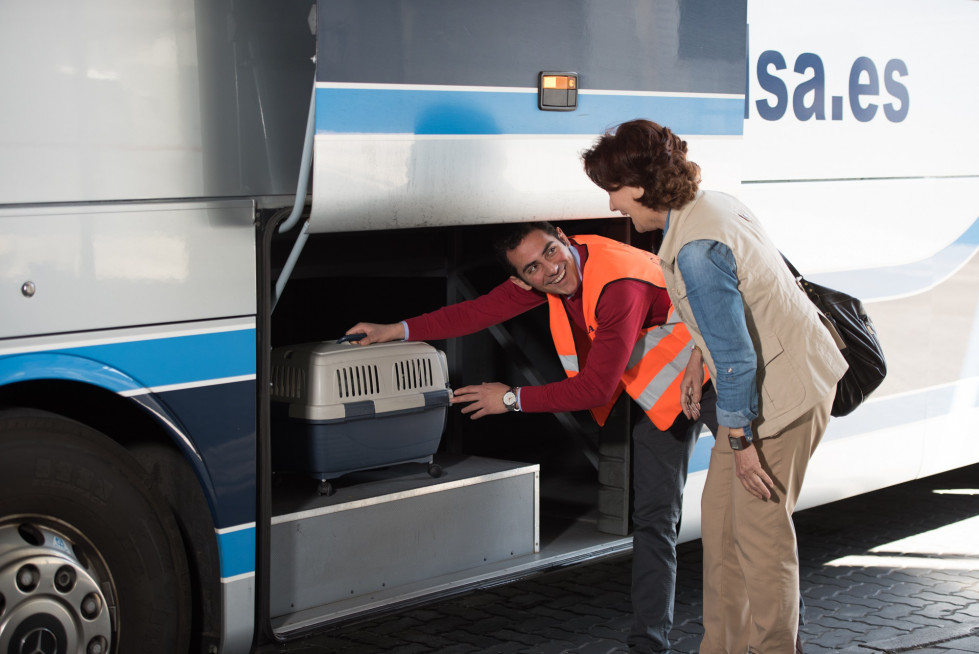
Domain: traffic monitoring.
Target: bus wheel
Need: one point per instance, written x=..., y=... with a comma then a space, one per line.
x=91, y=558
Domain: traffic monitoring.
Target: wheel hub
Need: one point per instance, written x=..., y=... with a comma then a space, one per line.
x=50, y=603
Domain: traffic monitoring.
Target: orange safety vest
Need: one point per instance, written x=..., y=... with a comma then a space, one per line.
x=660, y=355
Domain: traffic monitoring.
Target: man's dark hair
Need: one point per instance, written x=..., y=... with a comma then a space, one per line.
x=513, y=237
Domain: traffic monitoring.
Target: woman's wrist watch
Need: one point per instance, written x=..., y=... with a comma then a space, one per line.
x=510, y=399
x=741, y=441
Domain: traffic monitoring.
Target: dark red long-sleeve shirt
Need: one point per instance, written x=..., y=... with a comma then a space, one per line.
x=625, y=307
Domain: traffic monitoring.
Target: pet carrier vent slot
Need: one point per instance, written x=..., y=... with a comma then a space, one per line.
x=411, y=374
x=357, y=381
x=288, y=382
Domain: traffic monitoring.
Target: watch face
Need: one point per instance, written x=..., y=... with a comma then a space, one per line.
x=509, y=398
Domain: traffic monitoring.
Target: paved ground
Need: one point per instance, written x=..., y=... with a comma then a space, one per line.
x=889, y=572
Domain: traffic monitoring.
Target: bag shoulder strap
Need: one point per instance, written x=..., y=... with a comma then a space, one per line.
x=825, y=315
x=792, y=269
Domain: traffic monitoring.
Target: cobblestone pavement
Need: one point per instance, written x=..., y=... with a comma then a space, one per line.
x=888, y=572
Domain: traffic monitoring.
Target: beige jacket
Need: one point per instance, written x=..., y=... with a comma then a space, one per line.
x=798, y=360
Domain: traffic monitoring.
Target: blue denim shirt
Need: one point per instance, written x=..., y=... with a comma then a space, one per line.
x=710, y=274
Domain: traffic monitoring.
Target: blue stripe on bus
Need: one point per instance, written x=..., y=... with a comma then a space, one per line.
x=54, y=365
x=906, y=279
x=237, y=552
x=700, y=460
x=462, y=112
x=144, y=364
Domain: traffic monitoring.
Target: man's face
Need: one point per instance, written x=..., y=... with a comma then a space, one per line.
x=545, y=264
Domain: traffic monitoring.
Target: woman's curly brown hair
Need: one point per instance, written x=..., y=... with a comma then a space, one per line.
x=647, y=155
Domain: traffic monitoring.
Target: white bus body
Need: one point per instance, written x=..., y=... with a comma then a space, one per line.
x=158, y=238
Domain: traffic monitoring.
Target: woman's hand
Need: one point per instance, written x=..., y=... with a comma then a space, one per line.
x=747, y=465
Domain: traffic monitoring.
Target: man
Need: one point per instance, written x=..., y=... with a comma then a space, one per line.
x=612, y=326
x=774, y=365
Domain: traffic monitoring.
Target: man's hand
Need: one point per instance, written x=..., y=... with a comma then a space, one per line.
x=753, y=477
x=377, y=333
x=692, y=385
x=482, y=400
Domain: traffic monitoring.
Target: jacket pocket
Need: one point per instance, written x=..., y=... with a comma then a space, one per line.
x=778, y=379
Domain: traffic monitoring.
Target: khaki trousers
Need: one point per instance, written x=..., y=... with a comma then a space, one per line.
x=751, y=564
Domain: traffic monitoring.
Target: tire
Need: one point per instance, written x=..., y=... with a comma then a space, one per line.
x=92, y=549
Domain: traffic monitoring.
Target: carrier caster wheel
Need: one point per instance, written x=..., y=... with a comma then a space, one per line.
x=435, y=470
x=91, y=558
x=325, y=488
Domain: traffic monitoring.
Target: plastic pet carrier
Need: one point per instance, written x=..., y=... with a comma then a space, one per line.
x=340, y=408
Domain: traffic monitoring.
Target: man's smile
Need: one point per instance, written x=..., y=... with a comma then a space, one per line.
x=560, y=277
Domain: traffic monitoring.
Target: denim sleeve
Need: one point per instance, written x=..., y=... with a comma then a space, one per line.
x=710, y=273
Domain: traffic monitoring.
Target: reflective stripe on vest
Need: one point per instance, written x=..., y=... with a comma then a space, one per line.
x=656, y=386
x=655, y=369
x=570, y=363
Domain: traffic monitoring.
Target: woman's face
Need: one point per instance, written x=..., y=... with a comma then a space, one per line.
x=625, y=200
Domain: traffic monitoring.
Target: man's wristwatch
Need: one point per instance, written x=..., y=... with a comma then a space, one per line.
x=510, y=399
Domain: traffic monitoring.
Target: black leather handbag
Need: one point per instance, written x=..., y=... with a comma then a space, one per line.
x=857, y=339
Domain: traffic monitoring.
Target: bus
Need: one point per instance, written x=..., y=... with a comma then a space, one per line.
x=192, y=189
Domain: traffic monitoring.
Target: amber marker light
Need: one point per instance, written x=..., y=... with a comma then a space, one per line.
x=557, y=91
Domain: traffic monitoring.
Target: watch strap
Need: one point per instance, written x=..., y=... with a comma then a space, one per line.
x=738, y=442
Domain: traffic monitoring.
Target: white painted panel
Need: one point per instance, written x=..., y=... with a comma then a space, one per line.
x=119, y=266
x=851, y=224
x=394, y=181
x=936, y=42
x=103, y=104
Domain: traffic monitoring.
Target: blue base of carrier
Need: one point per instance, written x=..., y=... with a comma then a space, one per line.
x=362, y=440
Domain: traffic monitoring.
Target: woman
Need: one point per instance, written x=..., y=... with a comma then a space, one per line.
x=774, y=365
